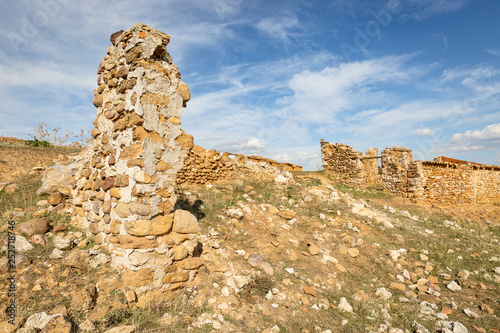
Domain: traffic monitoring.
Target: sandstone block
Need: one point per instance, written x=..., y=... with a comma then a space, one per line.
x=185, y=222
x=97, y=100
x=95, y=132
x=160, y=225
x=77, y=259
x=108, y=183
x=131, y=242
x=131, y=152
x=55, y=199
x=163, y=166
x=34, y=227
x=183, y=91
x=138, y=278
x=155, y=99
x=115, y=192
x=176, y=278
x=190, y=263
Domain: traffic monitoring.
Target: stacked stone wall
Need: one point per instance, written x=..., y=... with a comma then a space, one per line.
x=395, y=163
x=451, y=184
x=204, y=166
x=342, y=163
x=125, y=190
x=347, y=165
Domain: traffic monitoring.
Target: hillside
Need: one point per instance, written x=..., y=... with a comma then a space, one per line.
x=310, y=255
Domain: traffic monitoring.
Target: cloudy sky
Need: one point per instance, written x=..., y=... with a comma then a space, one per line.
x=272, y=78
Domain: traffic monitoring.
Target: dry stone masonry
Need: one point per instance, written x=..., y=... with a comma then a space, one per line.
x=124, y=194
x=444, y=181
x=204, y=166
x=395, y=162
x=347, y=165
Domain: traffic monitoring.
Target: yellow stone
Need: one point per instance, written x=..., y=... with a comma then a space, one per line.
x=160, y=225
x=174, y=121
x=115, y=192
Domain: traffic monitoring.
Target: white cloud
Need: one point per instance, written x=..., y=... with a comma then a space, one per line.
x=278, y=28
x=494, y=52
x=247, y=145
x=425, y=9
x=491, y=132
x=334, y=89
x=484, y=139
x=423, y=132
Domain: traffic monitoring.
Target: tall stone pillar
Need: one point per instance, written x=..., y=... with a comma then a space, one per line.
x=126, y=189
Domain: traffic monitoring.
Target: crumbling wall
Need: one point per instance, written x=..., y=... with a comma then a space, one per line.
x=203, y=166
x=282, y=166
x=371, y=166
x=395, y=162
x=445, y=181
x=125, y=191
x=342, y=163
x=451, y=183
x=347, y=165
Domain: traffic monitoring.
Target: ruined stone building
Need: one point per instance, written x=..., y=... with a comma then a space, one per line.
x=443, y=181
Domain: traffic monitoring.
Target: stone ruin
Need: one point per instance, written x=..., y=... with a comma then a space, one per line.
x=442, y=181
x=125, y=189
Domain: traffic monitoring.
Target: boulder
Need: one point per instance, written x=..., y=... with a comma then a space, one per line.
x=34, y=227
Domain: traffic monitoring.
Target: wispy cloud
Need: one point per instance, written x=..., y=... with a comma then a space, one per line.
x=423, y=132
x=281, y=28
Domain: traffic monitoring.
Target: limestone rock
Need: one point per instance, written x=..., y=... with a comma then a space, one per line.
x=185, y=222
x=77, y=259
x=121, y=329
x=39, y=240
x=62, y=243
x=22, y=245
x=58, y=324
x=159, y=225
x=34, y=227
x=286, y=214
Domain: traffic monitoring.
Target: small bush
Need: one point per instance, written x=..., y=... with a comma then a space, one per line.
x=37, y=143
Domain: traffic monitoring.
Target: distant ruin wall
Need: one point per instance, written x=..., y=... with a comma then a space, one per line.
x=347, y=165
x=445, y=181
x=450, y=183
x=395, y=162
x=204, y=166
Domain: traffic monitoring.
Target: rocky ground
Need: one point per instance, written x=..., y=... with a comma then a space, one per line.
x=304, y=256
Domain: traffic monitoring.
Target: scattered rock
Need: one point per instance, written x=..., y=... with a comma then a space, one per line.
x=344, y=306
x=34, y=227
x=77, y=259
x=22, y=245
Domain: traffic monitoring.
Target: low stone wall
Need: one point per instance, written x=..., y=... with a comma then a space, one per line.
x=204, y=166
x=445, y=181
x=451, y=183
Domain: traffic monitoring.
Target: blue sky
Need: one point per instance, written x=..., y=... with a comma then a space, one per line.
x=272, y=78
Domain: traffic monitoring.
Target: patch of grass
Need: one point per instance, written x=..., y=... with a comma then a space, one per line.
x=257, y=289
x=37, y=143
x=24, y=197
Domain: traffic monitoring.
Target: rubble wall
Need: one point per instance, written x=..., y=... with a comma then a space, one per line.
x=395, y=162
x=347, y=165
x=451, y=183
x=204, y=166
